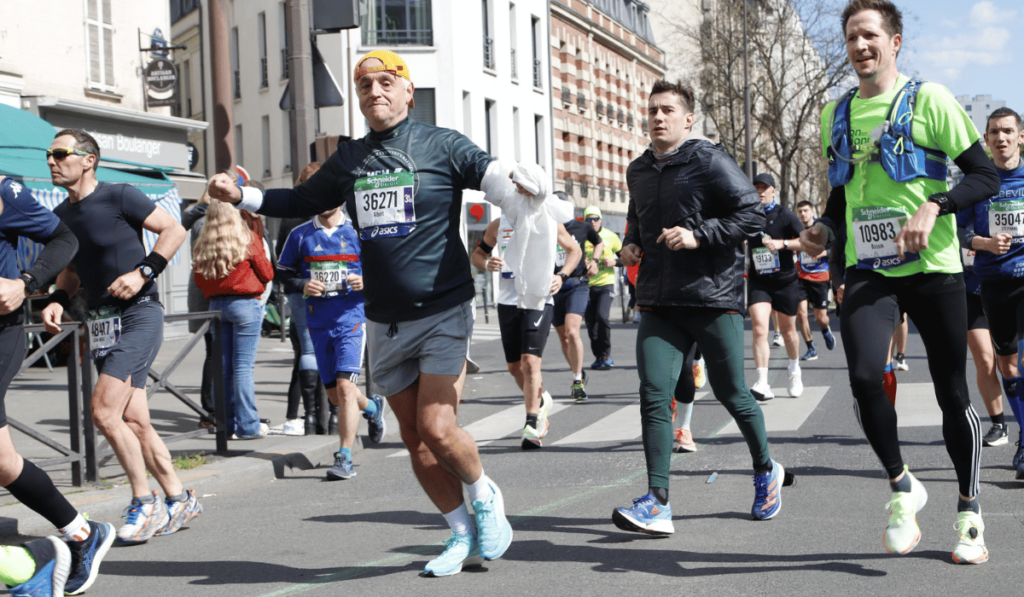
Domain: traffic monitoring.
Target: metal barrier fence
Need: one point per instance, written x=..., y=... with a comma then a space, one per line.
x=86, y=446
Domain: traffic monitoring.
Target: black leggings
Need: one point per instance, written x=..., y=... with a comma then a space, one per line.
x=937, y=304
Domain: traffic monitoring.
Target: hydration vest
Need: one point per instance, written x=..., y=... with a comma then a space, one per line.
x=901, y=158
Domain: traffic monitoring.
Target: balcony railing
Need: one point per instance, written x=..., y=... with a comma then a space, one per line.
x=398, y=37
x=488, y=53
x=581, y=100
x=238, y=84
x=600, y=108
x=264, y=79
x=536, y=74
x=515, y=72
x=285, y=72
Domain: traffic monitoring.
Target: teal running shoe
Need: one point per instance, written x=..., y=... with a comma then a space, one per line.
x=645, y=516
x=494, y=532
x=460, y=551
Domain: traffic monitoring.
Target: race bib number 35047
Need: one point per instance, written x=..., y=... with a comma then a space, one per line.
x=1006, y=217
x=874, y=237
x=384, y=205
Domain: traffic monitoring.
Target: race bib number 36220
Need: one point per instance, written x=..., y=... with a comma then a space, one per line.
x=874, y=237
x=384, y=205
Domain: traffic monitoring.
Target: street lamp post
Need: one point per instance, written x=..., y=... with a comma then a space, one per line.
x=748, y=164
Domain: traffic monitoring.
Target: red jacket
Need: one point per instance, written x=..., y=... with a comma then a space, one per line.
x=248, y=279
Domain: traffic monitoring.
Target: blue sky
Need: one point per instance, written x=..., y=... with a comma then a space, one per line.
x=968, y=46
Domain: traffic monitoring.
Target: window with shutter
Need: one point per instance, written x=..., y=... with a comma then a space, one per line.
x=99, y=26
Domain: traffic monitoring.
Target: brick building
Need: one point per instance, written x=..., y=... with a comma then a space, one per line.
x=604, y=61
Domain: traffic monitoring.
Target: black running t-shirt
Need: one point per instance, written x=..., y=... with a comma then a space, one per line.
x=108, y=224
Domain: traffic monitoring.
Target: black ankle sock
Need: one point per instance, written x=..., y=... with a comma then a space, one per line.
x=531, y=421
x=810, y=344
x=903, y=485
x=660, y=494
x=999, y=419
x=763, y=469
x=34, y=488
x=963, y=505
x=900, y=356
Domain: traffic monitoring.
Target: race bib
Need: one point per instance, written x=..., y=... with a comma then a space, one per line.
x=1007, y=217
x=104, y=329
x=968, y=257
x=330, y=273
x=384, y=205
x=874, y=237
x=765, y=262
x=560, y=257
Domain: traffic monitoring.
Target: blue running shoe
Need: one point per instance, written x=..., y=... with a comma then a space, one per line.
x=608, y=362
x=53, y=563
x=810, y=355
x=830, y=340
x=460, y=551
x=768, y=493
x=180, y=513
x=87, y=555
x=494, y=532
x=646, y=516
x=598, y=365
x=342, y=468
x=375, y=424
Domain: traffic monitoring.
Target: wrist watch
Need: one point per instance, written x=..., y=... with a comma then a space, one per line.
x=942, y=200
x=785, y=243
x=31, y=284
x=147, y=271
x=564, y=276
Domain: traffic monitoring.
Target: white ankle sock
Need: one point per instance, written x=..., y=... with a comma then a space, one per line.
x=794, y=366
x=481, y=490
x=78, y=530
x=460, y=521
x=577, y=377
x=762, y=375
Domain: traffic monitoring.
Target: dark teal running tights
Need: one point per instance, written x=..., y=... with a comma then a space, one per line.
x=663, y=340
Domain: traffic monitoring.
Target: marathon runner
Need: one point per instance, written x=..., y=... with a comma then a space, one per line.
x=690, y=209
x=22, y=216
x=125, y=321
x=524, y=332
x=998, y=226
x=601, y=267
x=323, y=255
x=812, y=271
x=402, y=185
x=571, y=305
x=890, y=193
x=772, y=286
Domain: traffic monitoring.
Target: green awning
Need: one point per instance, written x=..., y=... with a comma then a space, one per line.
x=24, y=139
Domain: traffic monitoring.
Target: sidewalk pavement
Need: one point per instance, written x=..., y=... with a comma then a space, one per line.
x=39, y=398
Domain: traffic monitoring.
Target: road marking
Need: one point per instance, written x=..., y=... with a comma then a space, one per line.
x=622, y=425
x=916, y=405
x=485, y=332
x=501, y=424
x=785, y=413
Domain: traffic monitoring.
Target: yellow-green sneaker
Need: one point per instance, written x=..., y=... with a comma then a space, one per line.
x=902, y=533
x=970, y=547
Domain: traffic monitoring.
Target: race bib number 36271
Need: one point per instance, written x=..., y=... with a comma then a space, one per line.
x=384, y=205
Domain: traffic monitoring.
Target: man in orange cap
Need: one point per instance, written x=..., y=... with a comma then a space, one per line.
x=402, y=186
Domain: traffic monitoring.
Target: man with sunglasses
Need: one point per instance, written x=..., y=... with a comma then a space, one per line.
x=402, y=185
x=22, y=216
x=125, y=321
x=602, y=289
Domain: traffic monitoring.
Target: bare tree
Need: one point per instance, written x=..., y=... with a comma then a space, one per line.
x=797, y=59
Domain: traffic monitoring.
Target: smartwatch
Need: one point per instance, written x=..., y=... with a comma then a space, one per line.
x=785, y=243
x=564, y=276
x=31, y=284
x=942, y=200
x=147, y=271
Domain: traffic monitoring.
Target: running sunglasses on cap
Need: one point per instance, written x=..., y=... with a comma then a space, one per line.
x=60, y=153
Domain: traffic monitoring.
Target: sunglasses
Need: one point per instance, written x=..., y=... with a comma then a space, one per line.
x=593, y=219
x=62, y=152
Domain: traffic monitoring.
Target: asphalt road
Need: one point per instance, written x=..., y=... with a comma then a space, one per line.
x=373, y=534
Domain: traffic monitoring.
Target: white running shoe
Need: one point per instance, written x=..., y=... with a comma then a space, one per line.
x=777, y=340
x=970, y=547
x=902, y=533
x=761, y=391
x=142, y=521
x=294, y=427
x=796, y=384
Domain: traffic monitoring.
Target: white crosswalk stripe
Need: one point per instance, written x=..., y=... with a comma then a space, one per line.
x=483, y=332
x=622, y=425
x=916, y=405
x=785, y=413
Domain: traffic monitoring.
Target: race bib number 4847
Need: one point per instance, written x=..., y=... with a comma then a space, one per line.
x=384, y=205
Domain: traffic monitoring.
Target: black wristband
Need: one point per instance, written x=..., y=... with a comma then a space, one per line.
x=60, y=296
x=156, y=262
x=486, y=248
x=942, y=200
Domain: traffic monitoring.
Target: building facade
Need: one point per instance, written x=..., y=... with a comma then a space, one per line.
x=979, y=107
x=604, y=61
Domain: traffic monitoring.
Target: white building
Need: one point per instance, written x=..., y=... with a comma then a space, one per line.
x=79, y=64
x=979, y=107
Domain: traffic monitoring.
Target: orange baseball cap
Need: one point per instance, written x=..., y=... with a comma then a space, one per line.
x=393, y=64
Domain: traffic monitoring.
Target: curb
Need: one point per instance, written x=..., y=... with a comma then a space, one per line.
x=277, y=459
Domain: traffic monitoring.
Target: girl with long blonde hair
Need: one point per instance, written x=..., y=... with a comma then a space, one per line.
x=231, y=268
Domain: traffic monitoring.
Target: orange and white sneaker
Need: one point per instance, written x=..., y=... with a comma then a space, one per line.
x=532, y=436
x=684, y=441
x=675, y=413
x=142, y=521
x=970, y=547
x=902, y=533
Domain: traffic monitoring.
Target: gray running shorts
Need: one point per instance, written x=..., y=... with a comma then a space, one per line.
x=435, y=345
